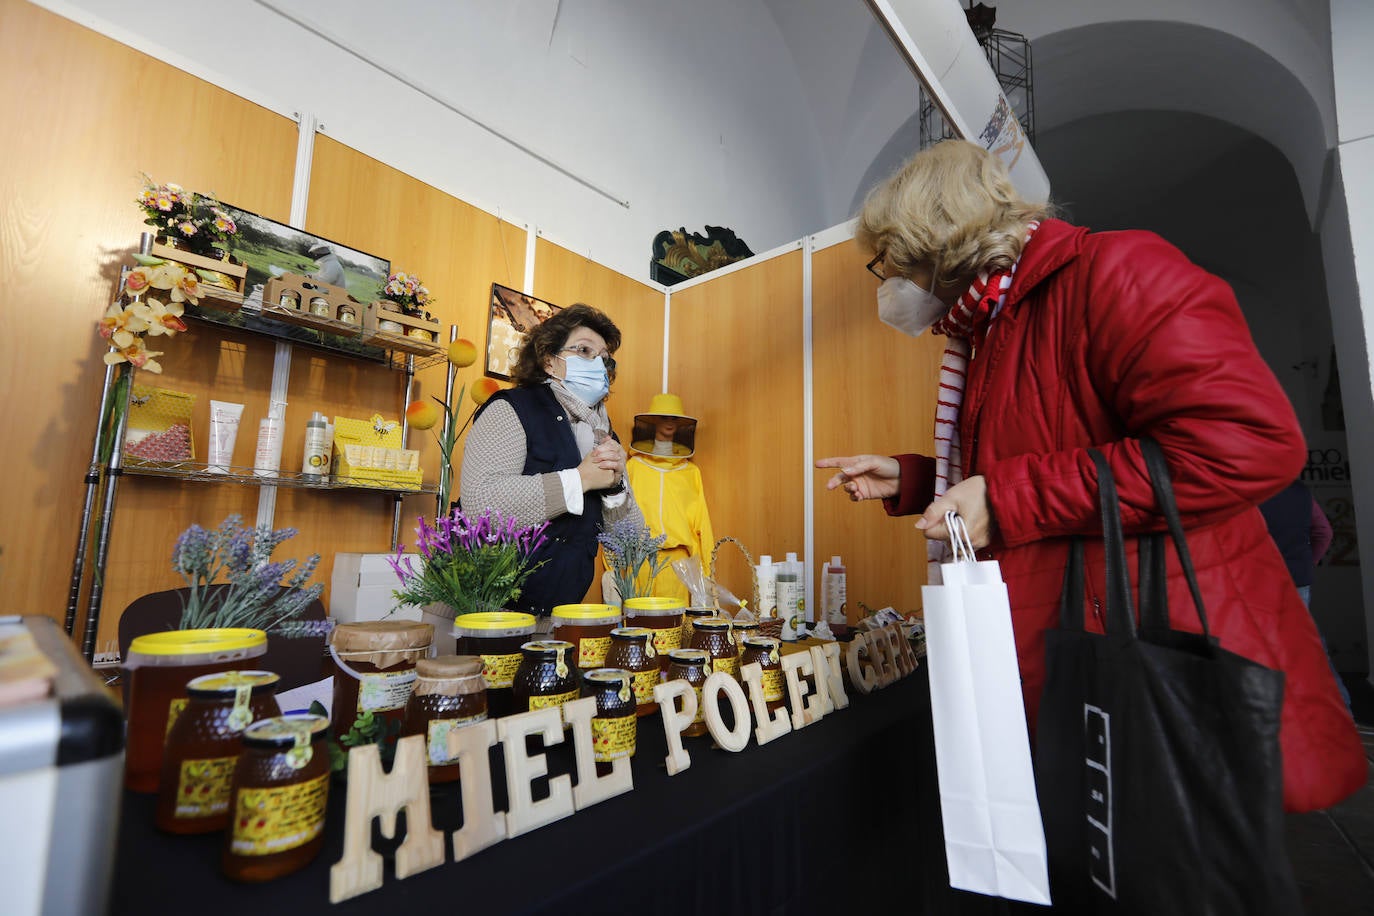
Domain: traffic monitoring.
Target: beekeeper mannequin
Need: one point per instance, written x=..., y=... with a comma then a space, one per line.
x=668, y=488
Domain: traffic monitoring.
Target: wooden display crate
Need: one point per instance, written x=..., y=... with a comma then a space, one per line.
x=382, y=311
x=289, y=298
x=228, y=293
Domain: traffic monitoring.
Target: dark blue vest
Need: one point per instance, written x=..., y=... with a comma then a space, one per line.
x=569, y=555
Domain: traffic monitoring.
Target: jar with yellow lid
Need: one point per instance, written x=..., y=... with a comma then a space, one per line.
x=693, y=666
x=766, y=651
x=588, y=627
x=281, y=787
x=613, y=726
x=374, y=668
x=546, y=676
x=632, y=648
x=450, y=693
x=159, y=666
x=495, y=637
x=691, y=615
x=713, y=634
x=204, y=744
x=663, y=616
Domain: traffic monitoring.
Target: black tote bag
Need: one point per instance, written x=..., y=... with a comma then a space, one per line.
x=1157, y=761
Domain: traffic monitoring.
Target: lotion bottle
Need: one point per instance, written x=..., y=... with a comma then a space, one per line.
x=315, y=460
x=767, y=575
x=790, y=599
x=834, y=596
x=267, y=458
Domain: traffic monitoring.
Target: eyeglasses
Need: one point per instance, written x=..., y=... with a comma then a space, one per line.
x=872, y=266
x=586, y=352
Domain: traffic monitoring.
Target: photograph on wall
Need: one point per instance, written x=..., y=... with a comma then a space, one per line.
x=513, y=314
x=269, y=249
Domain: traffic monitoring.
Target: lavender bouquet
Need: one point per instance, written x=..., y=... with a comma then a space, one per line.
x=469, y=564
x=629, y=550
x=256, y=597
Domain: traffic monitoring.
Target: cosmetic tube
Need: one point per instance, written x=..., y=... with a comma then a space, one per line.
x=267, y=458
x=224, y=430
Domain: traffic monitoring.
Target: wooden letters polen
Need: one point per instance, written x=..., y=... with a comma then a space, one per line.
x=874, y=659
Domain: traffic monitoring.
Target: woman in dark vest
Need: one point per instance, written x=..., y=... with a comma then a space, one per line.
x=544, y=451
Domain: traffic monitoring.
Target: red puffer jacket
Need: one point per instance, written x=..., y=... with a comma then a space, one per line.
x=1105, y=338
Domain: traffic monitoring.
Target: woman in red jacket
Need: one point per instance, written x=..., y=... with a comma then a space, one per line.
x=1060, y=341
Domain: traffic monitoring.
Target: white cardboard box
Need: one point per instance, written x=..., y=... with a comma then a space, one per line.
x=361, y=589
x=363, y=569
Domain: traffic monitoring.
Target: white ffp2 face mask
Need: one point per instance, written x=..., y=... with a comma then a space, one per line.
x=908, y=308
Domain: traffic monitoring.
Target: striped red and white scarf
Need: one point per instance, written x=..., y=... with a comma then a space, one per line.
x=966, y=325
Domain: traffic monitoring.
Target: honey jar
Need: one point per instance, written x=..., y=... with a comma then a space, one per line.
x=713, y=634
x=632, y=648
x=204, y=744
x=159, y=666
x=765, y=651
x=613, y=726
x=546, y=676
x=281, y=786
x=664, y=617
x=449, y=694
x=693, y=666
x=691, y=615
x=374, y=668
x=742, y=628
x=495, y=637
x=588, y=627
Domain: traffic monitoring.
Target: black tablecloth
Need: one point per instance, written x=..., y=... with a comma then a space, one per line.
x=840, y=816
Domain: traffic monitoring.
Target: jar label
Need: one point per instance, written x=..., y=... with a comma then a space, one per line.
x=613, y=738
x=666, y=639
x=591, y=651
x=273, y=820
x=438, y=732
x=558, y=699
x=385, y=690
x=644, y=682
x=729, y=664
x=772, y=685
x=701, y=707
x=499, y=670
x=173, y=710
x=203, y=787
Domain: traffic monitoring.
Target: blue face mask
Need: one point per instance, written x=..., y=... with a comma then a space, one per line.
x=587, y=378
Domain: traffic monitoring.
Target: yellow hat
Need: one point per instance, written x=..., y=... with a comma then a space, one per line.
x=665, y=405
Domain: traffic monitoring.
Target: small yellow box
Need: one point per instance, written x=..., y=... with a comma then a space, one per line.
x=159, y=425
x=370, y=453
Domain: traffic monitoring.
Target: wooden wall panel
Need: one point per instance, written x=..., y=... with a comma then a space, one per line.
x=873, y=392
x=92, y=114
x=735, y=357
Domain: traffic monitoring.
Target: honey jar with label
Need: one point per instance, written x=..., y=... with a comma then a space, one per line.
x=664, y=617
x=691, y=615
x=546, y=676
x=613, y=726
x=374, y=668
x=277, y=807
x=693, y=666
x=495, y=637
x=450, y=693
x=765, y=650
x=632, y=648
x=204, y=744
x=713, y=634
x=588, y=627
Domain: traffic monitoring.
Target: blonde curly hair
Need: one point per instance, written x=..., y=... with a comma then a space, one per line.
x=952, y=205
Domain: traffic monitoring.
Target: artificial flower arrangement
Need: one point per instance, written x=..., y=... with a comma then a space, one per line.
x=126, y=323
x=632, y=557
x=409, y=293
x=470, y=564
x=422, y=415
x=257, y=596
x=185, y=218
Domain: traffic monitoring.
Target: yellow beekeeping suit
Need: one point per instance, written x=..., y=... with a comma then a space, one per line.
x=670, y=495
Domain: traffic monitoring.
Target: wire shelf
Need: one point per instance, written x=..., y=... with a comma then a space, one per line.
x=198, y=471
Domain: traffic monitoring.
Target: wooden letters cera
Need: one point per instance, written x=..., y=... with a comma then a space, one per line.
x=823, y=704
x=770, y=725
x=372, y=793
x=828, y=666
x=675, y=720
x=483, y=825
x=735, y=739
x=794, y=665
x=906, y=659
x=864, y=677
x=525, y=813
x=590, y=787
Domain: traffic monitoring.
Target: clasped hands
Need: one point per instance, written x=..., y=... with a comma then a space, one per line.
x=604, y=466
x=879, y=477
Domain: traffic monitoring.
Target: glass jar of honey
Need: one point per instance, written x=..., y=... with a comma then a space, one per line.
x=159, y=665
x=449, y=694
x=374, y=668
x=742, y=628
x=693, y=666
x=691, y=615
x=546, y=676
x=632, y=648
x=713, y=634
x=765, y=651
x=204, y=744
x=588, y=627
x=495, y=637
x=664, y=617
x=613, y=726
x=281, y=786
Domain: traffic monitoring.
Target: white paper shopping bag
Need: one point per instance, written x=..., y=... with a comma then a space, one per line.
x=994, y=842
